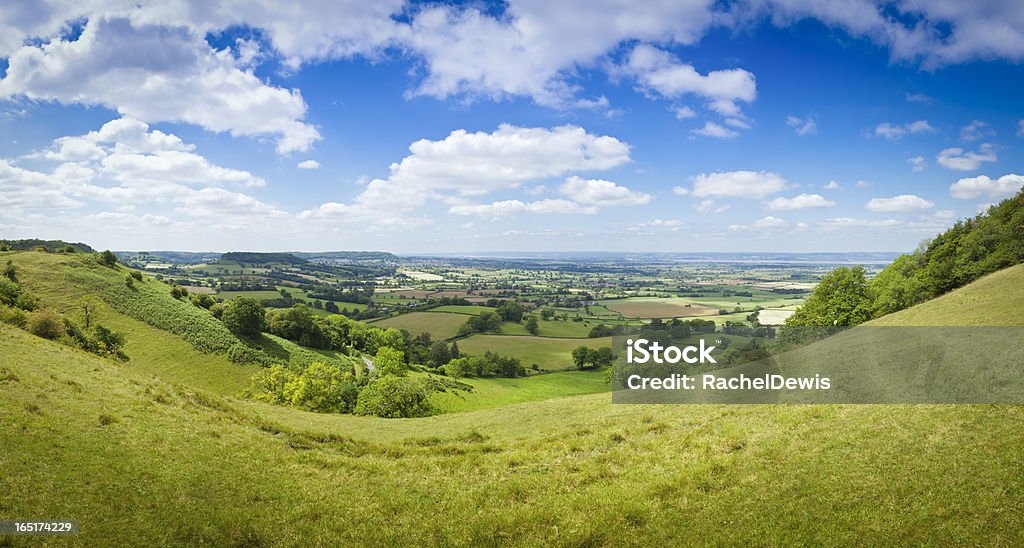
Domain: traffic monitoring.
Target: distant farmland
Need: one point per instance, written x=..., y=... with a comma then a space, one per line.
x=440, y=325
x=659, y=308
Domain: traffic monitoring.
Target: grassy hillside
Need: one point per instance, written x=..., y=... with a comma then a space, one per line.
x=996, y=299
x=164, y=336
x=136, y=459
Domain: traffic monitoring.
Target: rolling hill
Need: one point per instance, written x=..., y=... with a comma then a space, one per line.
x=144, y=458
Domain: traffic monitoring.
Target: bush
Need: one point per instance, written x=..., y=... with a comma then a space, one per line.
x=129, y=281
x=135, y=274
x=13, y=316
x=107, y=258
x=394, y=397
x=10, y=272
x=241, y=354
x=47, y=324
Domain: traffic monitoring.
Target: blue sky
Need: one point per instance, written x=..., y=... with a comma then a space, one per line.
x=416, y=128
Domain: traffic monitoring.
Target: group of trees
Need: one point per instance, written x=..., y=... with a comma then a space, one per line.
x=486, y=322
x=488, y=365
x=970, y=249
x=584, y=357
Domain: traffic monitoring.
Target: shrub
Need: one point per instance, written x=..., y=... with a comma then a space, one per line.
x=129, y=281
x=241, y=354
x=394, y=397
x=9, y=291
x=107, y=258
x=47, y=324
x=10, y=272
x=135, y=274
x=26, y=301
x=13, y=316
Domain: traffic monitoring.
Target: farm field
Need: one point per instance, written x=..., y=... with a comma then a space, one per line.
x=440, y=325
x=258, y=295
x=496, y=392
x=774, y=316
x=463, y=309
x=644, y=307
x=550, y=353
x=552, y=328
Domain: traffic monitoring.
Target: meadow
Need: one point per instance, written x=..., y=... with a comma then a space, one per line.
x=440, y=325
x=159, y=463
x=550, y=354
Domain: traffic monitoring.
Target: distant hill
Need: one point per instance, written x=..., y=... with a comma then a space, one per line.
x=51, y=245
x=245, y=257
x=359, y=256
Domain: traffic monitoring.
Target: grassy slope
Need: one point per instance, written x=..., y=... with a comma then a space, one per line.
x=996, y=299
x=176, y=466
x=180, y=466
x=67, y=282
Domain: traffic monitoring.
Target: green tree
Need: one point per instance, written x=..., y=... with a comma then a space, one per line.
x=510, y=311
x=531, y=325
x=389, y=361
x=394, y=397
x=244, y=317
x=840, y=299
x=439, y=354
x=580, y=357
x=455, y=352
x=323, y=388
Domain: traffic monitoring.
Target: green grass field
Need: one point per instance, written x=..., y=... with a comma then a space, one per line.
x=552, y=328
x=549, y=353
x=463, y=309
x=496, y=392
x=145, y=461
x=440, y=325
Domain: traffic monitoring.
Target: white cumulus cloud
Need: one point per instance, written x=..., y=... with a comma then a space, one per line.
x=983, y=186
x=601, y=193
x=308, y=164
x=737, y=184
x=802, y=201
x=965, y=160
x=901, y=203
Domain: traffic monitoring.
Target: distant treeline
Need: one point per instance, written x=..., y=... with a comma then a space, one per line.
x=52, y=246
x=245, y=257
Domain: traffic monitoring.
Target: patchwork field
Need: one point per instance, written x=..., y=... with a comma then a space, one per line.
x=551, y=328
x=644, y=307
x=549, y=353
x=440, y=325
